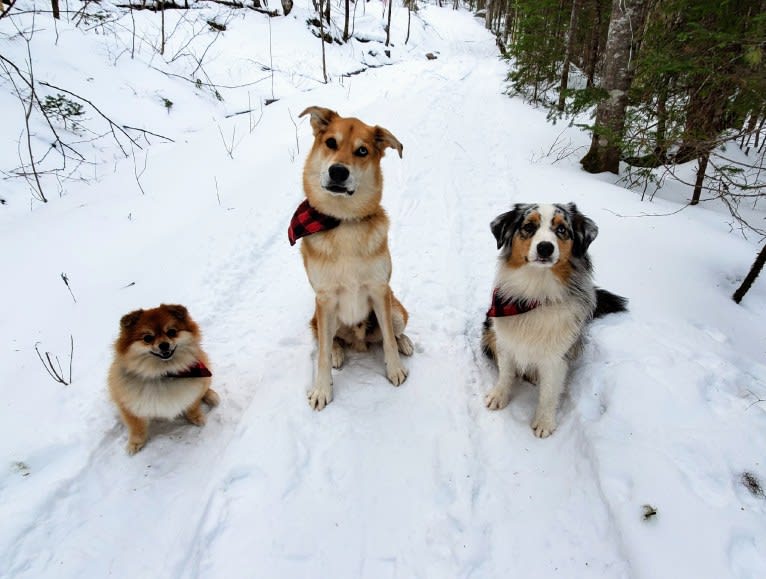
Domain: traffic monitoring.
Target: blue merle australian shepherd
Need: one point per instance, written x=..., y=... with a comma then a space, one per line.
x=543, y=298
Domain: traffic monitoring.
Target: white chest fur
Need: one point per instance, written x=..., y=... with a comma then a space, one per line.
x=163, y=397
x=546, y=332
x=350, y=264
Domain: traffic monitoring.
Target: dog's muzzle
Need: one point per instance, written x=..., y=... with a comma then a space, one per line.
x=338, y=182
x=165, y=353
x=544, y=253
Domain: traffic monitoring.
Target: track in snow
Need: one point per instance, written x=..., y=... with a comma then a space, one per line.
x=415, y=481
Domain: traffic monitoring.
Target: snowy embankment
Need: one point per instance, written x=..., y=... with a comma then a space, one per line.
x=418, y=481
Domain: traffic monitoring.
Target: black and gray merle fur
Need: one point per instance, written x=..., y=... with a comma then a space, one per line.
x=544, y=259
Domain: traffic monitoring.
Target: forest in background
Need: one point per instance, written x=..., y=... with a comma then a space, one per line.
x=664, y=83
x=658, y=83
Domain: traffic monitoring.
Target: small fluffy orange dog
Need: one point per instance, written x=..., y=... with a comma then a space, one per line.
x=345, y=247
x=159, y=371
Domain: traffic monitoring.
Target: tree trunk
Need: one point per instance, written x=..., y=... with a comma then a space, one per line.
x=752, y=274
x=55, y=8
x=388, y=26
x=488, y=14
x=705, y=111
x=595, y=45
x=703, y=160
x=661, y=146
x=576, y=7
x=162, y=27
x=625, y=27
x=659, y=156
x=287, y=7
x=507, y=27
x=321, y=32
x=345, y=22
x=409, y=16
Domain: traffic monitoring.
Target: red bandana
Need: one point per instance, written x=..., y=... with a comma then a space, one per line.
x=307, y=220
x=502, y=307
x=196, y=370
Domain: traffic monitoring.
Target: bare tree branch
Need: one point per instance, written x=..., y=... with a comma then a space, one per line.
x=112, y=124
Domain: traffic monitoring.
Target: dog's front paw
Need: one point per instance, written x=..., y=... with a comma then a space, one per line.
x=320, y=397
x=338, y=355
x=544, y=426
x=196, y=416
x=211, y=398
x=498, y=398
x=404, y=344
x=397, y=374
x=134, y=446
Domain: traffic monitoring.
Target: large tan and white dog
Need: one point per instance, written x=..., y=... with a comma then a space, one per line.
x=345, y=247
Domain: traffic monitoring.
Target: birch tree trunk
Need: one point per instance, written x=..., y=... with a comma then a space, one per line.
x=625, y=28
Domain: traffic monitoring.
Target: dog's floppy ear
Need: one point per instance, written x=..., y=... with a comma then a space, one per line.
x=384, y=138
x=584, y=229
x=320, y=118
x=129, y=320
x=505, y=225
x=177, y=311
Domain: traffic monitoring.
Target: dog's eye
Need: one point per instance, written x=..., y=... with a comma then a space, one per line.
x=148, y=338
x=561, y=231
x=331, y=143
x=529, y=228
x=361, y=152
x=171, y=333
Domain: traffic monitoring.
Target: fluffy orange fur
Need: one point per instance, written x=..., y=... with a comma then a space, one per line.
x=138, y=378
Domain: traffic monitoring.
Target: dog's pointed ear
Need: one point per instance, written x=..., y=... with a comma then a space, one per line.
x=129, y=320
x=384, y=138
x=179, y=312
x=505, y=225
x=320, y=118
x=584, y=229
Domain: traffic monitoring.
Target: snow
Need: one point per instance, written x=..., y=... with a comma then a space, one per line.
x=663, y=409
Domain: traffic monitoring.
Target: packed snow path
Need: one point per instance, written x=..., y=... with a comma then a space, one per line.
x=415, y=481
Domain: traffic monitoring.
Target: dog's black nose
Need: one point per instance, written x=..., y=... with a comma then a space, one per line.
x=338, y=173
x=164, y=346
x=544, y=249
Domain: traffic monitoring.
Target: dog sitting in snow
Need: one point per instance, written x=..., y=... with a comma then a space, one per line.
x=543, y=298
x=345, y=247
x=159, y=371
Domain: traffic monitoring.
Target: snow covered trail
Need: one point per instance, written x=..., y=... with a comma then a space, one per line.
x=420, y=480
x=404, y=483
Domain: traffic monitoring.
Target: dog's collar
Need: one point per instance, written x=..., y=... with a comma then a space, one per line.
x=511, y=306
x=307, y=221
x=196, y=370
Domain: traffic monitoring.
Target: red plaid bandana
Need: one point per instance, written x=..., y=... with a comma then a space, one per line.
x=196, y=370
x=502, y=307
x=307, y=220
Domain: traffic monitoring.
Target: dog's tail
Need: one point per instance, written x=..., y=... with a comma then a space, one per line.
x=609, y=303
